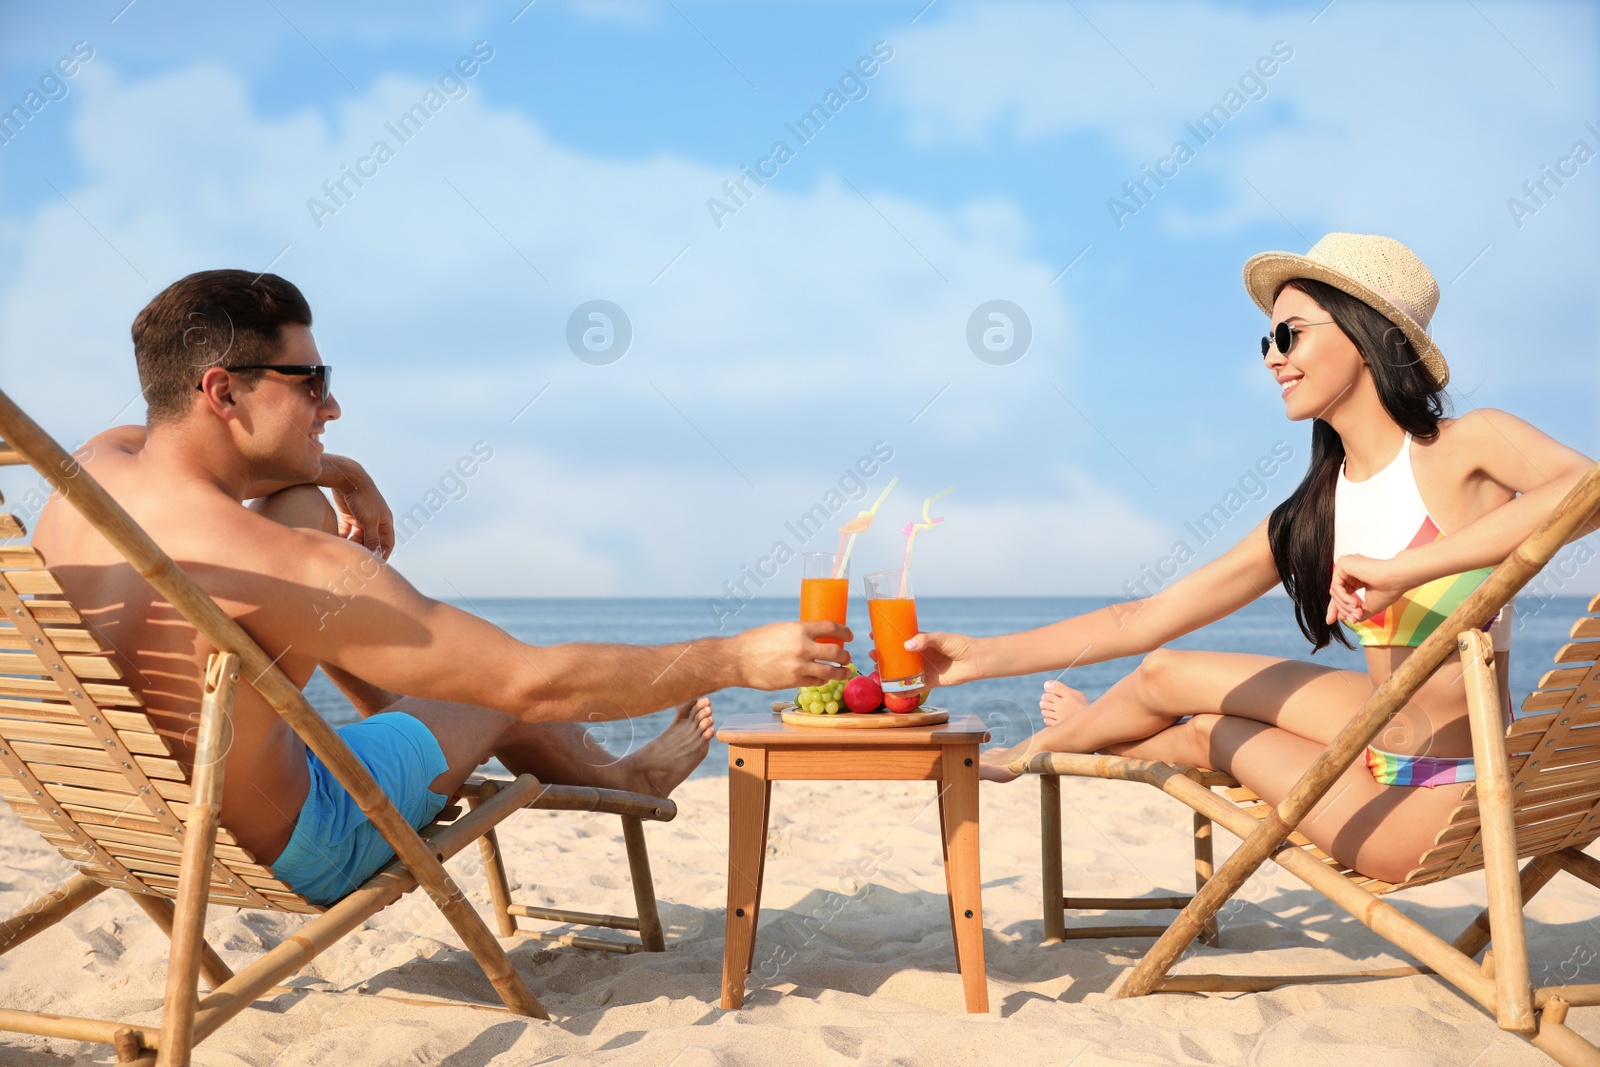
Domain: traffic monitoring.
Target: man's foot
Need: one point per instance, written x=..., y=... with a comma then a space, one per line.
x=992, y=765
x=661, y=766
x=1060, y=701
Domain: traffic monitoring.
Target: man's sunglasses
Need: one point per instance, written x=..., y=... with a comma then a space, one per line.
x=321, y=375
x=1283, y=337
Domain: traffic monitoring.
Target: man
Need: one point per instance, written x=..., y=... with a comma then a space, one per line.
x=238, y=400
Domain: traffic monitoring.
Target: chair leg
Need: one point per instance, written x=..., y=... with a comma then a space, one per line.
x=48, y=910
x=644, y=887
x=161, y=912
x=1056, y=904
x=1535, y=876
x=1580, y=865
x=1055, y=926
x=1204, y=868
x=507, y=912
x=494, y=868
x=125, y=1043
x=194, y=871
x=1513, y=999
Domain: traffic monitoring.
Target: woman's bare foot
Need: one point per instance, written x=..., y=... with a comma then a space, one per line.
x=992, y=765
x=1060, y=701
x=662, y=765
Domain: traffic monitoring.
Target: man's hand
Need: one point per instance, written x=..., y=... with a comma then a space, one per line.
x=785, y=655
x=364, y=515
x=947, y=659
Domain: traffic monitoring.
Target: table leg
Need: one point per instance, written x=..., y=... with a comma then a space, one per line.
x=761, y=867
x=949, y=884
x=748, y=795
x=959, y=804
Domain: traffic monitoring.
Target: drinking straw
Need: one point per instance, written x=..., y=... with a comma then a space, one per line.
x=858, y=525
x=910, y=531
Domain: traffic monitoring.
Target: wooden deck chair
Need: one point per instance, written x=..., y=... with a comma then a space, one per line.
x=85, y=768
x=1537, y=797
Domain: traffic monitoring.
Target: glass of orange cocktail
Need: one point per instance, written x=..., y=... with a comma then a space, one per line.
x=825, y=590
x=893, y=611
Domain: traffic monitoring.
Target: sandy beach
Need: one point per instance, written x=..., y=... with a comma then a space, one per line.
x=853, y=963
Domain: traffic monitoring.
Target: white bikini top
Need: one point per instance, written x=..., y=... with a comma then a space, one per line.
x=1381, y=517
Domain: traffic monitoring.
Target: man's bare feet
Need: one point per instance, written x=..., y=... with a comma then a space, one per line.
x=1060, y=701
x=662, y=765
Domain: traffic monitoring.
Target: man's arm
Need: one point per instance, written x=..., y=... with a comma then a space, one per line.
x=334, y=601
x=363, y=514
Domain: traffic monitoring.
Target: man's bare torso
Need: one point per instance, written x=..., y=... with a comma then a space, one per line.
x=245, y=562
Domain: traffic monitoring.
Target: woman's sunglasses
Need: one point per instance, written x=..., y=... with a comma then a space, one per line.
x=1283, y=337
x=321, y=375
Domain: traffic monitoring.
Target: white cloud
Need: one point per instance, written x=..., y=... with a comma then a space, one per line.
x=817, y=319
x=1412, y=120
x=540, y=525
x=774, y=350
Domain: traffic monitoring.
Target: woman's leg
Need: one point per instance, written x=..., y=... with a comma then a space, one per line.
x=1304, y=698
x=1379, y=830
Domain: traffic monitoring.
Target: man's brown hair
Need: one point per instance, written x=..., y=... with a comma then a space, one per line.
x=212, y=318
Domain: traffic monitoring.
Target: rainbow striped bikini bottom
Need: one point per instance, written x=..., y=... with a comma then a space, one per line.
x=1391, y=768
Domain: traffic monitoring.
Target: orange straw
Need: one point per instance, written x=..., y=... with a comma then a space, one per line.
x=911, y=529
x=858, y=525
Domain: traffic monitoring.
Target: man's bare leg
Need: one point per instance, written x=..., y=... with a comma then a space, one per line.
x=560, y=753
x=569, y=753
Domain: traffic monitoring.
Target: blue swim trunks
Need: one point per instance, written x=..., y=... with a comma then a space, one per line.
x=335, y=847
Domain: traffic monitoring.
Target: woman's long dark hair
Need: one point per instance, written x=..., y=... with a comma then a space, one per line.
x=1301, y=528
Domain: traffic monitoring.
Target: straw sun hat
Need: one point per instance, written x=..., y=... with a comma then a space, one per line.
x=1380, y=271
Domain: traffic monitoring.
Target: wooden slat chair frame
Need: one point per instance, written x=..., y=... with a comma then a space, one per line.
x=1537, y=797
x=84, y=766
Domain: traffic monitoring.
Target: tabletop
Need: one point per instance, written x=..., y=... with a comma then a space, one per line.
x=771, y=730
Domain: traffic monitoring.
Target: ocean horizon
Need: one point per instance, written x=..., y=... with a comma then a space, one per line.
x=1009, y=705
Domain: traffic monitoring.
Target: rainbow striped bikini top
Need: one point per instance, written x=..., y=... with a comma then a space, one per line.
x=1382, y=516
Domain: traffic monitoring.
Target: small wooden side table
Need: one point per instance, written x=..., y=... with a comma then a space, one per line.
x=763, y=750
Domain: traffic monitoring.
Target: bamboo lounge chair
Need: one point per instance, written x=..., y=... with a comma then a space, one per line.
x=1537, y=797
x=84, y=766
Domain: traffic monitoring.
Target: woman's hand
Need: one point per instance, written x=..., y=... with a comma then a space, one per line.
x=1363, y=587
x=947, y=659
x=364, y=515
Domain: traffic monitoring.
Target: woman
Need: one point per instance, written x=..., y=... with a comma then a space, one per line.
x=1389, y=478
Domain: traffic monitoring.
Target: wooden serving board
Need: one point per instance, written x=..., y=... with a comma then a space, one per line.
x=880, y=720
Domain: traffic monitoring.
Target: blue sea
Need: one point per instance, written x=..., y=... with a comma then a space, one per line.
x=1009, y=705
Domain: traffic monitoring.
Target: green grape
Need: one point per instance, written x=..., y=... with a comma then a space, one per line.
x=831, y=707
x=815, y=707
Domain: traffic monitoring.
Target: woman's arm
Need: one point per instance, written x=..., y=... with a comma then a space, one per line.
x=1513, y=455
x=1221, y=587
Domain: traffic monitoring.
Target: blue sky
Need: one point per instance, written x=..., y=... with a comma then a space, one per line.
x=777, y=340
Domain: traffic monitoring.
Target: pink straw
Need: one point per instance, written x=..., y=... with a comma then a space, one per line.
x=858, y=525
x=911, y=536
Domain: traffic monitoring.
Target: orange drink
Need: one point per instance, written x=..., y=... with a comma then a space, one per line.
x=824, y=597
x=894, y=622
